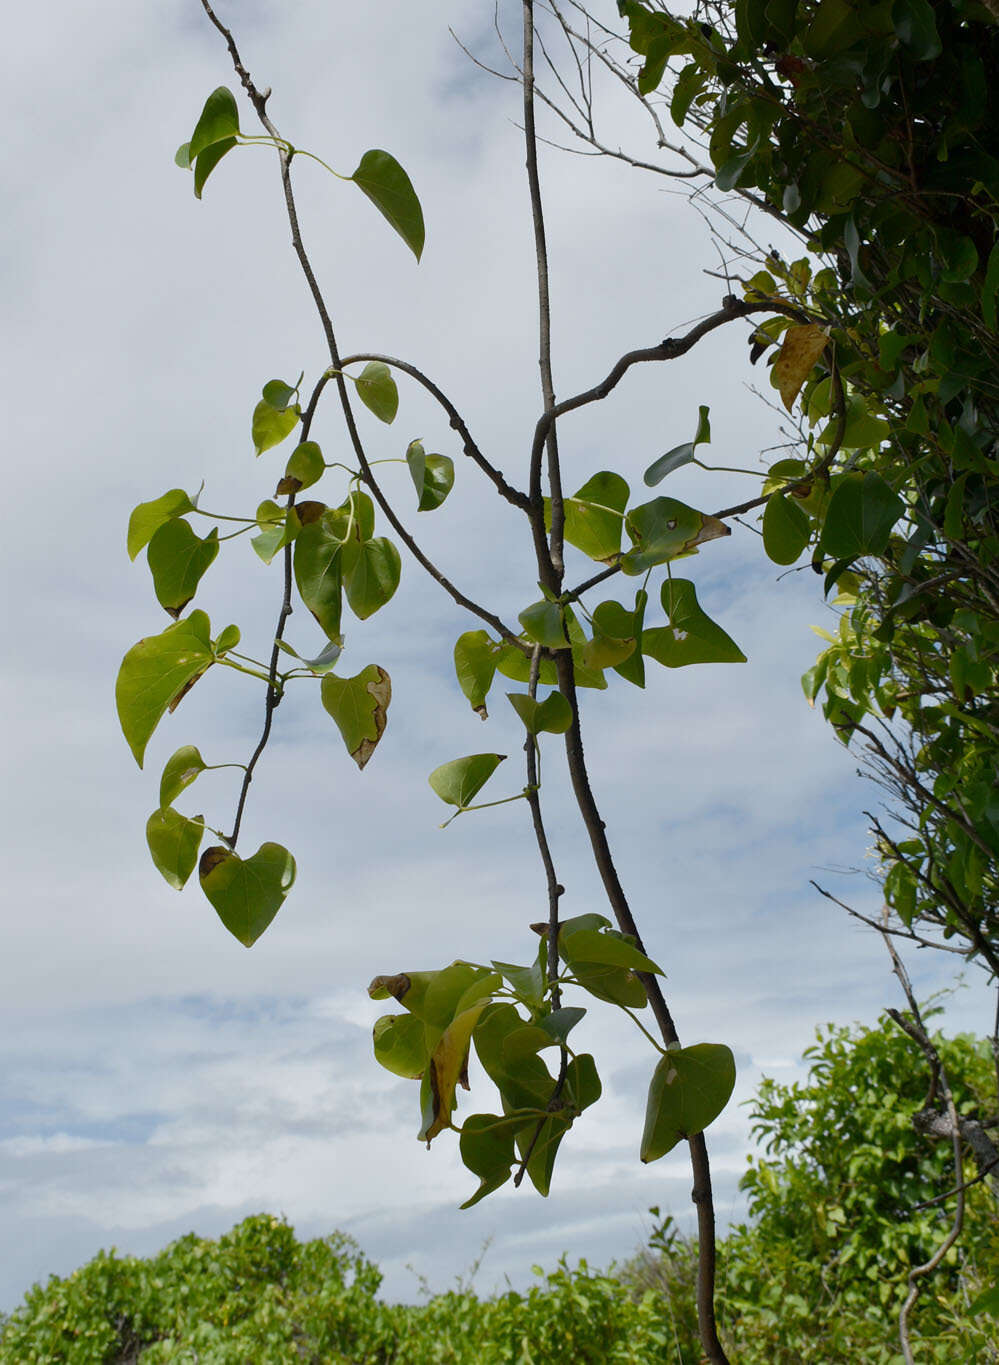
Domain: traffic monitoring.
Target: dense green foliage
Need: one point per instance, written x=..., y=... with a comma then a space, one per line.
x=867, y=128
x=832, y=1233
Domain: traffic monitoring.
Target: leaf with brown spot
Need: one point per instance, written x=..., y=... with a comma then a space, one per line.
x=287, y=485
x=359, y=705
x=384, y=986
x=308, y=512
x=212, y=857
x=796, y=359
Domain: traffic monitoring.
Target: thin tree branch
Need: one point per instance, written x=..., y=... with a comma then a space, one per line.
x=550, y=565
x=512, y=495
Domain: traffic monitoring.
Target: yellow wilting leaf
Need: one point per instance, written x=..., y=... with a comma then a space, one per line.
x=799, y=351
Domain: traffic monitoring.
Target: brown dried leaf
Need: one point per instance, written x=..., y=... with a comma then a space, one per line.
x=799, y=351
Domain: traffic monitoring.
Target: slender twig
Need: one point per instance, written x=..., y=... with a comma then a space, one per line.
x=550, y=566
x=471, y=449
x=888, y=928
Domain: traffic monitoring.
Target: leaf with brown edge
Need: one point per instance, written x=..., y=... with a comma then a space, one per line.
x=359, y=705
x=448, y=1069
x=247, y=893
x=796, y=359
x=308, y=512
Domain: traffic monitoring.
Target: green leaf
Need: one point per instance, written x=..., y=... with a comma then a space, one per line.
x=247, y=893
x=377, y=391
x=542, y=622
x=487, y=1150
x=371, y=571
x=357, y=514
x=460, y=781
x=270, y=427
x=475, y=665
x=516, y=666
x=277, y=394
x=632, y=668
x=594, y=516
x=229, y=637
x=323, y=661
x=560, y=1023
x=359, y=705
x=391, y=191
x=433, y=476
x=690, y=1087
x=527, y=982
x=916, y=28
x=173, y=841
x=607, y=981
x=401, y=1045
x=591, y=945
x=207, y=162
x=278, y=526
x=552, y=716
x=985, y=1302
x=665, y=529
x=613, y=636
x=178, y=559
x=691, y=637
x=681, y=454
x=182, y=157
x=182, y=767
x=219, y=120
x=156, y=673
x=861, y=513
x=305, y=464
x=786, y=529
x=319, y=573
x=148, y=517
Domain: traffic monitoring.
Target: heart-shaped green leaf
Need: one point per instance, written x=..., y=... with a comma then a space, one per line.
x=377, y=391
x=247, y=892
x=433, y=476
x=487, y=1150
x=401, y=1045
x=594, y=516
x=178, y=560
x=607, y=949
x=305, y=464
x=156, y=673
x=691, y=637
x=359, y=705
x=542, y=622
x=786, y=529
x=475, y=665
x=861, y=513
x=460, y=781
x=148, y=517
x=553, y=715
x=391, y=191
x=371, y=572
x=270, y=427
x=278, y=394
x=690, y=1087
x=219, y=120
x=180, y=771
x=319, y=572
x=173, y=842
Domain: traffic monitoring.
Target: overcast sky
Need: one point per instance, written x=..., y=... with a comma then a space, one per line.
x=157, y=1077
